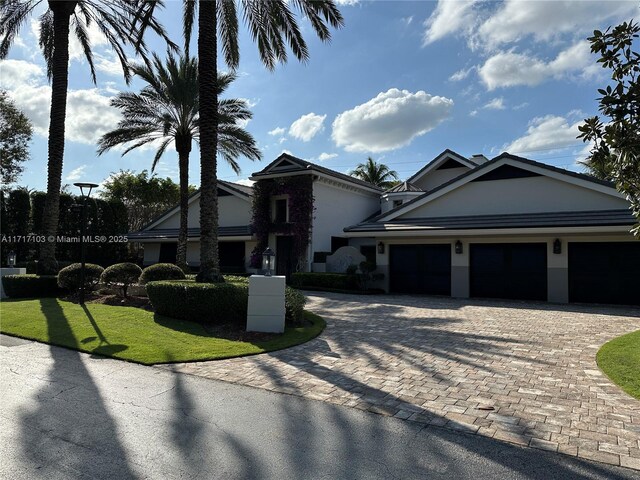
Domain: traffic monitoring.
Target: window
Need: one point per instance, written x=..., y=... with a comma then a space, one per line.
x=397, y=203
x=280, y=211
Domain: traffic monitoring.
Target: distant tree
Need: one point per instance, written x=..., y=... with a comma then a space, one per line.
x=615, y=155
x=15, y=135
x=144, y=196
x=377, y=173
x=166, y=110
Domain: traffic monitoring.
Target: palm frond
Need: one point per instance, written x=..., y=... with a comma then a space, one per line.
x=228, y=32
x=13, y=15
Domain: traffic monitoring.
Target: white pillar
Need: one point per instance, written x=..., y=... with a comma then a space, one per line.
x=266, y=310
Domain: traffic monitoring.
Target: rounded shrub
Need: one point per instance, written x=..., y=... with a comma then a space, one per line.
x=294, y=302
x=161, y=271
x=69, y=277
x=31, y=286
x=207, y=303
x=121, y=276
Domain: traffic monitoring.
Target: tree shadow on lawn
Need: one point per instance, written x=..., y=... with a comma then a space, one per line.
x=105, y=348
x=70, y=429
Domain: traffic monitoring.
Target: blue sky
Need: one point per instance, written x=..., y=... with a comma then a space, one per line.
x=401, y=82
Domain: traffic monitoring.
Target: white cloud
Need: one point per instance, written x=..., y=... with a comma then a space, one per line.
x=307, y=126
x=76, y=173
x=407, y=20
x=447, y=18
x=461, y=74
x=326, y=156
x=245, y=181
x=109, y=64
x=495, y=104
x=251, y=102
x=390, y=120
x=508, y=69
x=277, y=131
x=16, y=73
x=547, y=20
x=473, y=113
x=547, y=133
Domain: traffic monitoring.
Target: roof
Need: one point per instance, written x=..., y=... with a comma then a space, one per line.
x=488, y=165
x=447, y=153
x=172, y=233
x=303, y=164
x=404, y=187
x=552, y=219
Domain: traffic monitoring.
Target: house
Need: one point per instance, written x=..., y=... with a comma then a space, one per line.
x=466, y=227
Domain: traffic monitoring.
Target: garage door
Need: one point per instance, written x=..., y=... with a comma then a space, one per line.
x=508, y=270
x=604, y=272
x=420, y=269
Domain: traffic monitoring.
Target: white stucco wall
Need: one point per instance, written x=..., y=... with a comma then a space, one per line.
x=337, y=208
x=151, y=253
x=435, y=178
x=517, y=195
x=233, y=211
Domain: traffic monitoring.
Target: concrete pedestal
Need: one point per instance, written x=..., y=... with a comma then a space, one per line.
x=9, y=271
x=265, y=312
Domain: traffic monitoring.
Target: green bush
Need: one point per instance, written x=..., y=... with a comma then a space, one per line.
x=69, y=277
x=31, y=286
x=294, y=302
x=207, y=303
x=121, y=276
x=161, y=271
x=336, y=281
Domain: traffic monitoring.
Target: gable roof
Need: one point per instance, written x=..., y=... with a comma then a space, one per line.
x=440, y=160
x=287, y=163
x=241, y=191
x=504, y=158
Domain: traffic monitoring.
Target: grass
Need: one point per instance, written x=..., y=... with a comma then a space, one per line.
x=134, y=334
x=620, y=360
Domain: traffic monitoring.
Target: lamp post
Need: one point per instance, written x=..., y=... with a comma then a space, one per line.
x=85, y=192
x=268, y=262
x=11, y=259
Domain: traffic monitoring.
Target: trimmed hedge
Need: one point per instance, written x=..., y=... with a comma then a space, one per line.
x=214, y=303
x=338, y=281
x=69, y=277
x=31, y=286
x=207, y=303
x=161, y=271
x=121, y=276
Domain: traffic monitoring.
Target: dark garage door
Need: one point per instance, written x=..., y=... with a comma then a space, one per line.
x=508, y=270
x=604, y=272
x=420, y=269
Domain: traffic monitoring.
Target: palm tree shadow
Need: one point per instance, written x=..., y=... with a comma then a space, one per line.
x=69, y=428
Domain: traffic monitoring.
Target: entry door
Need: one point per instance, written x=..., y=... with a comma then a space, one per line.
x=285, y=257
x=420, y=269
x=508, y=270
x=168, y=252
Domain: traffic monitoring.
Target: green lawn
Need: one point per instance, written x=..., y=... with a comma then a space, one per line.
x=133, y=334
x=620, y=360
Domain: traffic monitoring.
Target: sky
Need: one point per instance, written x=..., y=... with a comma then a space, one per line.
x=400, y=82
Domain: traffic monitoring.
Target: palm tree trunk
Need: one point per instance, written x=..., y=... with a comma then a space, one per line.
x=59, y=83
x=183, y=166
x=208, y=73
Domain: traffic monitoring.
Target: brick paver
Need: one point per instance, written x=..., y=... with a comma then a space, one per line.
x=523, y=373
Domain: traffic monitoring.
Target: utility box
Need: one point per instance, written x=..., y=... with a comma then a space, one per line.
x=266, y=310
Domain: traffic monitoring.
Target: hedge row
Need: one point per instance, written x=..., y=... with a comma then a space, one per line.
x=31, y=286
x=214, y=303
x=337, y=281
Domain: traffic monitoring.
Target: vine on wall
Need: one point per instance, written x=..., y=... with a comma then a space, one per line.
x=300, y=192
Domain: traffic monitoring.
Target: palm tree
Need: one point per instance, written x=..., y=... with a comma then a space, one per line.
x=377, y=173
x=165, y=111
x=122, y=22
x=272, y=25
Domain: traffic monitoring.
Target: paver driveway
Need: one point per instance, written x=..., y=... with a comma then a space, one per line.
x=518, y=372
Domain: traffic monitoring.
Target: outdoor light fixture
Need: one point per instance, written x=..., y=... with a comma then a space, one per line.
x=268, y=262
x=380, y=248
x=85, y=191
x=458, y=247
x=11, y=259
x=557, y=246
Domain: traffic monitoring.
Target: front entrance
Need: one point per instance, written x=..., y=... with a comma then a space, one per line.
x=285, y=256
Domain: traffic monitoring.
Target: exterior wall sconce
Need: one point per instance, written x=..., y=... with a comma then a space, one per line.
x=458, y=247
x=268, y=262
x=380, y=248
x=557, y=246
x=11, y=259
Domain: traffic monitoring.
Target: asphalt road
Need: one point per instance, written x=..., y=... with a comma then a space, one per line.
x=66, y=415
